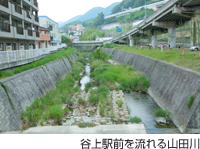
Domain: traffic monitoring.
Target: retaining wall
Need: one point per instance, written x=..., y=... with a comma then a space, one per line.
x=25, y=87
x=170, y=86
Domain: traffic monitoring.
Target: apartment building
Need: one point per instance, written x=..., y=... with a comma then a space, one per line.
x=44, y=38
x=55, y=34
x=19, y=24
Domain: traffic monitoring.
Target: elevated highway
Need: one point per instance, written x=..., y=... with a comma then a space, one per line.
x=166, y=19
x=150, y=6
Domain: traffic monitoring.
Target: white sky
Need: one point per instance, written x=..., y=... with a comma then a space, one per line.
x=63, y=10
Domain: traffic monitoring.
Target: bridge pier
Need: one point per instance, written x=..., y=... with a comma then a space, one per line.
x=171, y=26
x=154, y=41
x=172, y=37
x=131, y=38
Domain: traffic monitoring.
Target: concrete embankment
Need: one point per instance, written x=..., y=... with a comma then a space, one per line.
x=22, y=89
x=170, y=86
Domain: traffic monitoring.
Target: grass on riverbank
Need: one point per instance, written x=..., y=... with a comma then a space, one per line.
x=43, y=61
x=174, y=57
x=127, y=77
x=50, y=106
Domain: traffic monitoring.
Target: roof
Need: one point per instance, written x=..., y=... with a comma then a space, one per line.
x=47, y=18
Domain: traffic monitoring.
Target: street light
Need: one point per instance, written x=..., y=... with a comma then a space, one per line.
x=125, y=23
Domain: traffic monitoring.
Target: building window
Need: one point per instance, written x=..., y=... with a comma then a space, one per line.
x=45, y=32
x=1, y=46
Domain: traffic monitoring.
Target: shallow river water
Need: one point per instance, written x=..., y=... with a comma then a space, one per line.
x=143, y=106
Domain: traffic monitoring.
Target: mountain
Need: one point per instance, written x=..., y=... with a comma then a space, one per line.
x=61, y=24
x=91, y=14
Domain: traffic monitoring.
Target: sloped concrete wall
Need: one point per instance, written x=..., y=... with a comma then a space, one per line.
x=170, y=86
x=27, y=86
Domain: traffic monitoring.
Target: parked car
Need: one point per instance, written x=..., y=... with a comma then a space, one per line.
x=194, y=48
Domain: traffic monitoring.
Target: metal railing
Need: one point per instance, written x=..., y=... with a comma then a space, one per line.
x=30, y=33
x=17, y=55
x=4, y=27
x=18, y=9
x=36, y=19
x=4, y=3
x=37, y=34
x=35, y=3
x=20, y=30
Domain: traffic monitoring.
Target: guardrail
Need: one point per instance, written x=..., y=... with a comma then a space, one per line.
x=17, y=55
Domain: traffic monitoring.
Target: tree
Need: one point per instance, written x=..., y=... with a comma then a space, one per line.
x=99, y=20
x=71, y=33
x=66, y=40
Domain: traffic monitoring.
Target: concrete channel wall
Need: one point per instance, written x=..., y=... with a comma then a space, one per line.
x=170, y=86
x=25, y=87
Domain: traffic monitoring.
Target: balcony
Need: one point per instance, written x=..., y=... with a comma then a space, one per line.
x=36, y=19
x=28, y=17
x=4, y=27
x=30, y=33
x=35, y=3
x=18, y=9
x=37, y=34
x=28, y=14
x=45, y=37
x=20, y=30
x=4, y=3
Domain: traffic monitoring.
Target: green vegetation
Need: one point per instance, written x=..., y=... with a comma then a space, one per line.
x=135, y=119
x=119, y=103
x=91, y=34
x=49, y=106
x=56, y=112
x=174, y=57
x=43, y=61
x=190, y=100
x=106, y=74
x=125, y=4
x=82, y=101
x=99, y=95
x=5, y=89
x=42, y=122
x=86, y=124
x=137, y=15
x=88, y=86
x=161, y=113
x=99, y=54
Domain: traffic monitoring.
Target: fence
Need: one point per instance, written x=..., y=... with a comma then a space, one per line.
x=11, y=56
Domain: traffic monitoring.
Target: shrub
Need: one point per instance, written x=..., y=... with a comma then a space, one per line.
x=135, y=119
x=42, y=122
x=86, y=124
x=190, y=100
x=99, y=54
x=161, y=113
x=66, y=110
x=101, y=110
x=130, y=68
x=87, y=86
x=119, y=103
x=56, y=112
x=121, y=88
x=81, y=101
x=128, y=90
x=109, y=45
